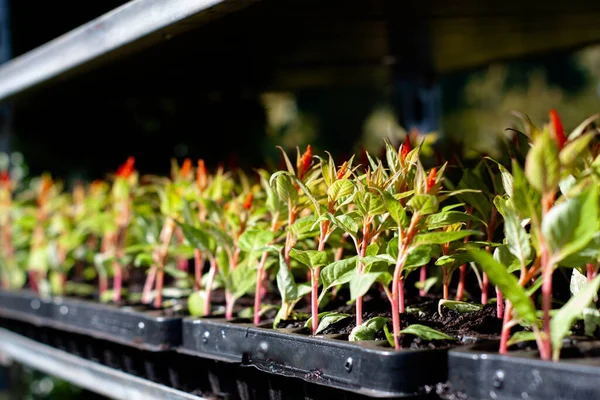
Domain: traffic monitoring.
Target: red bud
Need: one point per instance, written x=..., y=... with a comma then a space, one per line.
x=185, y=168
x=201, y=175
x=430, y=181
x=305, y=162
x=559, y=132
x=248, y=201
x=4, y=178
x=405, y=149
x=342, y=171
x=126, y=169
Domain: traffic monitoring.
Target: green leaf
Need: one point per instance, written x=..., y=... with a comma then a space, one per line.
x=418, y=256
x=428, y=284
x=395, y=209
x=426, y=333
x=507, y=283
x=589, y=254
x=346, y=223
x=196, y=304
x=368, y=329
x=285, y=282
x=424, y=204
x=459, y=306
x=370, y=204
x=479, y=201
x=338, y=272
x=569, y=226
x=591, y=320
x=574, y=149
x=443, y=237
x=517, y=239
x=577, y=282
x=389, y=336
x=197, y=238
x=305, y=227
x=283, y=186
x=325, y=320
x=254, y=240
x=542, y=167
x=446, y=218
x=243, y=279
x=562, y=321
x=310, y=258
x=525, y=199
x=361, y=283
x=521, y=336
x=372, y=249
x=506, y=258
x=340, y=189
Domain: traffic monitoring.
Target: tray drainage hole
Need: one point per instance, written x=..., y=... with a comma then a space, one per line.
x=348, y=365
x=64, y=310
x=498, y=380
x=205, y=336
x=35, y=304
x=263, y=347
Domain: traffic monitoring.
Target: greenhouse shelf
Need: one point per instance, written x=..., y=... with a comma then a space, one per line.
x=84, y=373
x=133, y=26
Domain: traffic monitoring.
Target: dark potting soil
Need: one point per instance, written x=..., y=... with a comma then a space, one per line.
x=465, y=326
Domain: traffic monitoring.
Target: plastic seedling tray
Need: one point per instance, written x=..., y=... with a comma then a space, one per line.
x=133, y=326
x=25, y=305
x=368, y=368
x=479, y=372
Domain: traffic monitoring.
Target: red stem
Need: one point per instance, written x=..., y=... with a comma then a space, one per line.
x=117, y=281
x=446, y=283
x=546, y=350
x=396, y=301
x=422, y=279
x=148, y=285
x=261, y=277
x=229, y=305
x=401, y=295
x=165, y=235
x=33, y=281
x=362, y=252
x=460, y=290
x=505, y=328
x=314, y=301
x=209, y=284
x=257, y=295
x=402, y=255
x=590, y=271
x=198, y=264
x=499, y=303
x=160, y=277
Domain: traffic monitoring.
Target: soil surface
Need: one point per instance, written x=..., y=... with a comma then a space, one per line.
x=467, y=327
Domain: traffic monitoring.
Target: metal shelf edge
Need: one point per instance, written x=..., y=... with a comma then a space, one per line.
x=104, y=35
x=84, y=373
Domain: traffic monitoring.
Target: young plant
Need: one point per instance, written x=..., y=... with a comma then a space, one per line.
x=121, y=199
x=561, y=228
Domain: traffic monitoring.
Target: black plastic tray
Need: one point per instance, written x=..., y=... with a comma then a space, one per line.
x=133, y=326
x=25, y=306
x=367, y=368
x=478, y=372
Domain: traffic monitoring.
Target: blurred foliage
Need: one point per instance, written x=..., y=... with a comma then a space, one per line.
x=28, y=384
x=489, y=96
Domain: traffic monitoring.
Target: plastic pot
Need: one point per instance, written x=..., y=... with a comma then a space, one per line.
x=26, y=306
x=479, y=372
x=369, y=367
x=133, y=326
